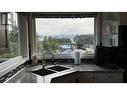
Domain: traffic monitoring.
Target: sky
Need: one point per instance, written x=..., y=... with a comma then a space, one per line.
x=66, y=26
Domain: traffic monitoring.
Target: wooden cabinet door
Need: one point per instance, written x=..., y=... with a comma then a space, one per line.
x=104, y=77
x=85, y=77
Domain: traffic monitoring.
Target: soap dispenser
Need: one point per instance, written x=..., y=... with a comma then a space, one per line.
x=77, y=59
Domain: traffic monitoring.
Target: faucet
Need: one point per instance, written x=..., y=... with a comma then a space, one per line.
x=44, y=62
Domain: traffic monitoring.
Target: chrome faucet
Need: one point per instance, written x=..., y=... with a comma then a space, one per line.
x=44, y=62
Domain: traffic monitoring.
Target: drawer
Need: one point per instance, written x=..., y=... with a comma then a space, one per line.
x=108, y=75
x=85, y=74
x=85, y=77
x=105, y=77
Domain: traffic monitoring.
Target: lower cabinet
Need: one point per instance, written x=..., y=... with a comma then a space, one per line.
x=68, y=78
x=90, y=77
x=85, y=77
x=110, y=77
x=100, y=77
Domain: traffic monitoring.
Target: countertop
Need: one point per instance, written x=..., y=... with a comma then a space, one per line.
x=26, y=76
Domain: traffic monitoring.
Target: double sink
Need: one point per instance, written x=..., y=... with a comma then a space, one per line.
x=50, y=70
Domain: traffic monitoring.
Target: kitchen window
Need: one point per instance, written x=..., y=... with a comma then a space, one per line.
x=13, y=36
x=63, y=36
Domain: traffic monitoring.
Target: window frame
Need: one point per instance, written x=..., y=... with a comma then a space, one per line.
x=5, y=48
x=68, y=15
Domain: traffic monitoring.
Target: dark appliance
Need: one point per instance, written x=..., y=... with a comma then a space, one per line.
x=122, y=36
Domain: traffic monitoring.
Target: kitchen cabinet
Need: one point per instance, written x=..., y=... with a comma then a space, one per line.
x=100, y=77
x=110, y=33
x=110, y=29
x=77, y=77
x=68, y=78
x=90, y=77
x=85, y=77
x=108, y=77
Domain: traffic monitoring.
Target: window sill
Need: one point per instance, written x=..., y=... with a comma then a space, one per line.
x=66, y=56
x=11, y=64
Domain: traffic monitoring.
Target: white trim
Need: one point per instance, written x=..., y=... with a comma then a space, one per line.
x=66, y=56
x=23, y=35
x=11, y=64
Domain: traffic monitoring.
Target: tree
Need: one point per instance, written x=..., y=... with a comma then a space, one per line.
x=64, y=40
x=39, y=44
x=84, y=40
x=50, y=44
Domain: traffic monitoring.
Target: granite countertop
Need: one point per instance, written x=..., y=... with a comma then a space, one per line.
x=26, y=76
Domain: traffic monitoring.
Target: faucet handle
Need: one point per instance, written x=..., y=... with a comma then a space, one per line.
x=44, y=64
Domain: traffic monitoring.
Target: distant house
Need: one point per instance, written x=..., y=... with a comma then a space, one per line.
x=67, y=46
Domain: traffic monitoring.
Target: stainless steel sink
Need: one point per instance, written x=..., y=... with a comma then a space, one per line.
x=43, y=72
x=58, y=68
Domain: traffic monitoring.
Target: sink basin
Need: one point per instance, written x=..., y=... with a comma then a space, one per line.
x=43, y=72
x=58, y=68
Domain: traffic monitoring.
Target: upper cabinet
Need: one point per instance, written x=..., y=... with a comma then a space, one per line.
x=4, y=45
x=110, y=22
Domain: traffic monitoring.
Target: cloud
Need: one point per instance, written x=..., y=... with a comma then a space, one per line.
x=67, y=26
